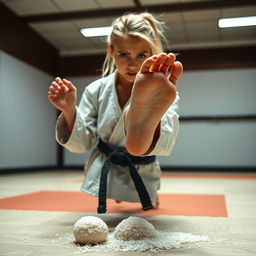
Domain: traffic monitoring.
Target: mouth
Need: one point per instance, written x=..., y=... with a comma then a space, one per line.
x=133, y=74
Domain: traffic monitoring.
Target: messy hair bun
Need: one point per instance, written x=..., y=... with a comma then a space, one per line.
x=143, y=25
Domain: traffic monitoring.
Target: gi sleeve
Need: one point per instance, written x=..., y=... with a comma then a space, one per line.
x=84, y=134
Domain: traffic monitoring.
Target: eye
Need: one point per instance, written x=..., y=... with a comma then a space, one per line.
x=142, y=56
x=122, y=55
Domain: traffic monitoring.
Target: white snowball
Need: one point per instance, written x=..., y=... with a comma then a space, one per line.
x=90, y=230
x=134, y=228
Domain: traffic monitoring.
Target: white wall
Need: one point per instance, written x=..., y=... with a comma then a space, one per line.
x=225, y=143
x=26, y=118
x=210, y=144
x=218, y=92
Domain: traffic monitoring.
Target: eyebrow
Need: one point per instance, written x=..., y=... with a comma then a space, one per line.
x=122, y=51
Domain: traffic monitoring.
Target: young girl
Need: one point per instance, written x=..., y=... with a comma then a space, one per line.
x=125, y=118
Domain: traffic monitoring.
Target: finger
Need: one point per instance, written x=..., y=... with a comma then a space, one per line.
x=147, y=64
x=176, y=72
x=55, y=85
x=58, y=80
x=69, y=85
x=52, y=96
x=63, y=87
x=52, y=89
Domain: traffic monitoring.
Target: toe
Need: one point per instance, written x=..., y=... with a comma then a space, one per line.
x=172, y=56
x=147, y=64
x=161, y=58
x=166, y=65
x=176, y=72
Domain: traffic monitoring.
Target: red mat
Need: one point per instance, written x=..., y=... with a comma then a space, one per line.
x=170, y=204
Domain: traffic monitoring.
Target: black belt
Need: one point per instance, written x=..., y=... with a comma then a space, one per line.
x=124, y=159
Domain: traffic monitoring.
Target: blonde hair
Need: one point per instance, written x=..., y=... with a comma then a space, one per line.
x=143, y=25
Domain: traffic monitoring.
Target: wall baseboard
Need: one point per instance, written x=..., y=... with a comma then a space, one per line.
x=167, y=168
x=27, y=169
x=219, y=118
x=231, y=169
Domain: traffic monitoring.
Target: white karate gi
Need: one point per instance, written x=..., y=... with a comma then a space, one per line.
x=99, y=115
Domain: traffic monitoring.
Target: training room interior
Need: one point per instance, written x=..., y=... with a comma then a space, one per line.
x=208, y=183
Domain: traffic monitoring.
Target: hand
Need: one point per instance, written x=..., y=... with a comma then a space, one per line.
x=62, y=94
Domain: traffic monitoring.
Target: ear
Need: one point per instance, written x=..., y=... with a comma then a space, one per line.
x=110, y=50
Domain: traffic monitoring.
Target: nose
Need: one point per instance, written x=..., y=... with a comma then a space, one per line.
x=132, y=62
x=132, y=65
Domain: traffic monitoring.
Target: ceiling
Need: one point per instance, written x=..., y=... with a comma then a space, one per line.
x=191, y=24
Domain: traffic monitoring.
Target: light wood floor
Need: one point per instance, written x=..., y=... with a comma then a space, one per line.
x=44, y=232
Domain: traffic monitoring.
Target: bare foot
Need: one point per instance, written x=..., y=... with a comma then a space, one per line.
x=152, y=94
x=157, y=203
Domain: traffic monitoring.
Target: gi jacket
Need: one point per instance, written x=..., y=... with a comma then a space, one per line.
x=99, y=115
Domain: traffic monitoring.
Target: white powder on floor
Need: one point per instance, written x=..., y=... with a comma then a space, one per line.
x=152, y=240
x=164, y=240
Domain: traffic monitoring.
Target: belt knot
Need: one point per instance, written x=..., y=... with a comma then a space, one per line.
x=119, y=158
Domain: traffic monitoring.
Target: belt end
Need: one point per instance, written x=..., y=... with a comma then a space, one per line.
x=101, y=209
x=149, y=207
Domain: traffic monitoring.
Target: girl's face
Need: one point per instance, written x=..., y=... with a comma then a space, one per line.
x=128, y=54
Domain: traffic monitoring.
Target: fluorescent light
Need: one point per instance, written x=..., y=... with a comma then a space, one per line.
x=98, y=31
x=237, y=22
